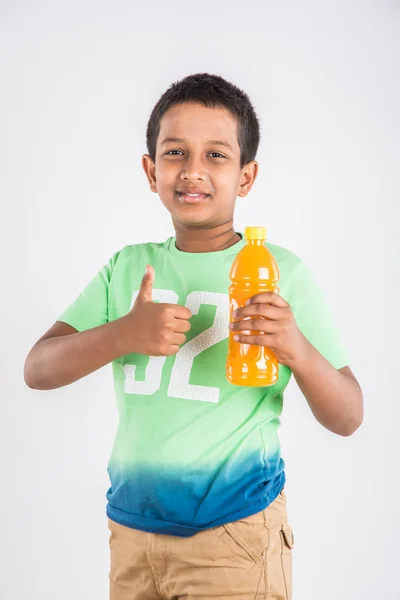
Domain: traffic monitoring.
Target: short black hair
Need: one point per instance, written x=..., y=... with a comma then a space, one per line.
x=212, y=91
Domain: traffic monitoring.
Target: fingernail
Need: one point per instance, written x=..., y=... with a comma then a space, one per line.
x=234, y=313
x=230, y=325
x=236, y=338
x=247, y=302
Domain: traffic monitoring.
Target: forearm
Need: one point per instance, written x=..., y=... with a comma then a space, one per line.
x=59, y=361
x=334, y=398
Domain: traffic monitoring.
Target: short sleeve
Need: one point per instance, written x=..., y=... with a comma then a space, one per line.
x=314, y=316
x=90, y=308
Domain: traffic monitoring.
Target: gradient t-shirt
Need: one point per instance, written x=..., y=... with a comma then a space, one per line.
x=191, y=450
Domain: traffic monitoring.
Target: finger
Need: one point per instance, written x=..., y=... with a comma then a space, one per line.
x=267, y=297
x=174, y=349
x=178, y=339
x=181, y=325
x=275, y=313
x=255, y=340
x=182, y=312
x=264, y=325
x=146, y=287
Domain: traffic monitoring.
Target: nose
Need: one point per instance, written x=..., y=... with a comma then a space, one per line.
x=193, y=170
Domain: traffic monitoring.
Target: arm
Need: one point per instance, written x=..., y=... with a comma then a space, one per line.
x=334, y=395
x=64, y=355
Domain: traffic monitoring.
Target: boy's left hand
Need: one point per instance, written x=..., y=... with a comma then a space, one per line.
x=272, y=316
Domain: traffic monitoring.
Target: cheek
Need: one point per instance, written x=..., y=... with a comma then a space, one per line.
x=166, y=187
x=228, y=179
x=165, y=171
x=166, y=177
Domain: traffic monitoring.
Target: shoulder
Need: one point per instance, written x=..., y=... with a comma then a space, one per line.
x=296, y=278
x=287, y=260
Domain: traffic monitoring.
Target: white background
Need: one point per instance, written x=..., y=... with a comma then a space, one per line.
x=78, y=82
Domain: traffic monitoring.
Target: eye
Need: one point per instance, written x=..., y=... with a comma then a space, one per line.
x=173, y=153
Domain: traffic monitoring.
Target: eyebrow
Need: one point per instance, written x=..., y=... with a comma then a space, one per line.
x=182, y=140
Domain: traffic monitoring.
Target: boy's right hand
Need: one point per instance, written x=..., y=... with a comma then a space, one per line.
x=154, y=328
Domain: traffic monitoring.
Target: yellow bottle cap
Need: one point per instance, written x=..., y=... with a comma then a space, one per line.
x=255, y=233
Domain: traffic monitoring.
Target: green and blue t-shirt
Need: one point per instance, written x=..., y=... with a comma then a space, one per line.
x=192, y=451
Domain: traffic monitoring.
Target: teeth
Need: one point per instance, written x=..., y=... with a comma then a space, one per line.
x=192, y=195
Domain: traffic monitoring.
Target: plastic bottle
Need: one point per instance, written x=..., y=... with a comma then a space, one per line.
x=253, y=271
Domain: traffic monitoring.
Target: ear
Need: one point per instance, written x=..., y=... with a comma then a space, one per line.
x=149, y=168
x=247, y=178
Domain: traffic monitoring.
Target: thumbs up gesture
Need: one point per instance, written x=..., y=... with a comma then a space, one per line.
x=154, y=328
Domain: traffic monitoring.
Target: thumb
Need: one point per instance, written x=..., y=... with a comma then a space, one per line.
x=146, y=287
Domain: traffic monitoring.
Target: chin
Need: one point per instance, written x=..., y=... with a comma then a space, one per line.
x=195, y=218
x=193, y=222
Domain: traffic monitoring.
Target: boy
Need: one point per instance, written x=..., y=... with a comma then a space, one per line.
x=196, y=506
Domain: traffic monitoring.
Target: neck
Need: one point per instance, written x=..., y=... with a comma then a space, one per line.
x=211, y=239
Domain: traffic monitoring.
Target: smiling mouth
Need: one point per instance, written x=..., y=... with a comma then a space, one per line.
x=192, y=198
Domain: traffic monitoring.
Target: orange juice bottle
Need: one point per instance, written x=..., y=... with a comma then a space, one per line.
x=253, y=271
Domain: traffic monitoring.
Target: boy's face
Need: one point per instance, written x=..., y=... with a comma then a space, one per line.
x=196, y=161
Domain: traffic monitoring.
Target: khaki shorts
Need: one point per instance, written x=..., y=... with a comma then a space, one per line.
x=250, y=559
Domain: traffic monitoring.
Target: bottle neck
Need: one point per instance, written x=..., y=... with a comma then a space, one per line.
x=255, y=242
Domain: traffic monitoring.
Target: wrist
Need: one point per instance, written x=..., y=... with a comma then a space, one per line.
x=121, y=345
x=303, y=357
